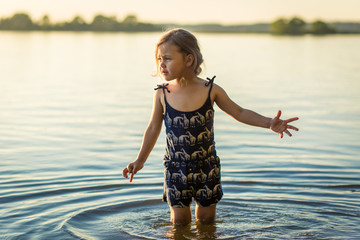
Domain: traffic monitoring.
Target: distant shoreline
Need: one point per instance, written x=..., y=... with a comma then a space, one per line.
x=130, y=24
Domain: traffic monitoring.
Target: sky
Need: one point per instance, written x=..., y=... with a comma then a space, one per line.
x=188, y=11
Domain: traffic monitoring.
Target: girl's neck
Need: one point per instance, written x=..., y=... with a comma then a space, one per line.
x=185, y=81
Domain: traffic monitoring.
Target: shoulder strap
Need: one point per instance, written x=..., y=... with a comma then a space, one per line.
x=163, y=87
x=210, y=82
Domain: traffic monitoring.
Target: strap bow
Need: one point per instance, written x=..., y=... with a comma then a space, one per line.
x=210, y=81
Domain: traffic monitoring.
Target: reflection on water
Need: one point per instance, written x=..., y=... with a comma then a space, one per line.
x=199, y=231
x=237, y=219
x=73, y=108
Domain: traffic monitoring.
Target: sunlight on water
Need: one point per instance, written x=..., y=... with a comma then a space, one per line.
x=73, y=108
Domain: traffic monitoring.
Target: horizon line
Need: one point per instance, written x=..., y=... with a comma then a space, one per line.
x=175, y=22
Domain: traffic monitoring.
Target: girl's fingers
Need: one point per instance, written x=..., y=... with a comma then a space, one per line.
x=288, y=133
x=291, y=119
x=125, y=173
x=127, y=170
x=293, y=128
x=278, y=114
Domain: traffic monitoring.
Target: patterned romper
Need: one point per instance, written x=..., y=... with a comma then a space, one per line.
x=192, y=168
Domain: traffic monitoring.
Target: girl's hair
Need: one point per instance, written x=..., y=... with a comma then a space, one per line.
x=187, y=44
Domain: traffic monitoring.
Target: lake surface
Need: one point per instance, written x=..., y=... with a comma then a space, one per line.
x=74, y=106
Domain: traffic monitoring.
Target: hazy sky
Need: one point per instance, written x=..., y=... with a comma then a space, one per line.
x=188, y=11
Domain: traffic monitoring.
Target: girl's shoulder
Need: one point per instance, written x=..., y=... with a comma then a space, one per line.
x=164, y=86
x=216, y=87
x=218, y=92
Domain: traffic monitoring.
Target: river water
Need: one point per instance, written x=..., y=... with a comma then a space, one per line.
x=74, y=106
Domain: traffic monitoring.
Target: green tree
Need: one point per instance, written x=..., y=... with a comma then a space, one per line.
x=130, y=23
x=77, y=24
x=21, y=21
x=45, y=23
x=279, y=26
x=4, y=24
x=103, y=23
x=130, y=20
x=319, y=27
x=296, y=26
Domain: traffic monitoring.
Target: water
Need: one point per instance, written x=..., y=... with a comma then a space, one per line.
x=73, y=108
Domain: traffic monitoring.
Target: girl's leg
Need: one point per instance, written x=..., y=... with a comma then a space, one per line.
x=205, y=214
x=180, y=216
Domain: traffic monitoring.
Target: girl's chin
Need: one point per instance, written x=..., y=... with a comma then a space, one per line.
x=167, y=78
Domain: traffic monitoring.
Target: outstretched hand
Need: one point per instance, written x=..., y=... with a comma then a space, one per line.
x=280, y=126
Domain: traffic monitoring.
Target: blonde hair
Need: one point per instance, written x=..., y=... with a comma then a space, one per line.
x=187, y=44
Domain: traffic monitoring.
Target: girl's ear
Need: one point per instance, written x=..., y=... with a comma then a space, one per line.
x=189, y=59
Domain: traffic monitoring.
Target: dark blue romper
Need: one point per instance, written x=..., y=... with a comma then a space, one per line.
x=192, y=168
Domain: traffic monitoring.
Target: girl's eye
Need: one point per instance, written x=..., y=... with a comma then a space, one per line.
x=164, y=59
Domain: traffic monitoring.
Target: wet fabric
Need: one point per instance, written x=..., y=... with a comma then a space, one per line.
x=192, y=168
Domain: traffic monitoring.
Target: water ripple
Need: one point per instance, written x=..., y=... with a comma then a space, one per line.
x=67, y=130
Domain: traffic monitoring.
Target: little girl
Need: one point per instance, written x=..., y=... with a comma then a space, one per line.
x=185, y=104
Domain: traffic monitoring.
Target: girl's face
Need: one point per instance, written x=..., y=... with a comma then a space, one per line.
x=172, y=63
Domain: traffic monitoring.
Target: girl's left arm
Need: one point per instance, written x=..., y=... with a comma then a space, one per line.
x=250, y=117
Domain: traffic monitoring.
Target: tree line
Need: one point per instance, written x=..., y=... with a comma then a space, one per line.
x=102, y=23
x=23, y=22
x=297, y=26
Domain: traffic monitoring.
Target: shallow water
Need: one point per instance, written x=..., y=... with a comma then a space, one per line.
x=73, y=108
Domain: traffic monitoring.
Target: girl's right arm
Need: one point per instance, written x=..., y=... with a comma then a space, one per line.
x=151, y=135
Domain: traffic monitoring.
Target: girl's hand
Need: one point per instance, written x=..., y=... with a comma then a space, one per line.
x=281, y=126
x=132, y=168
